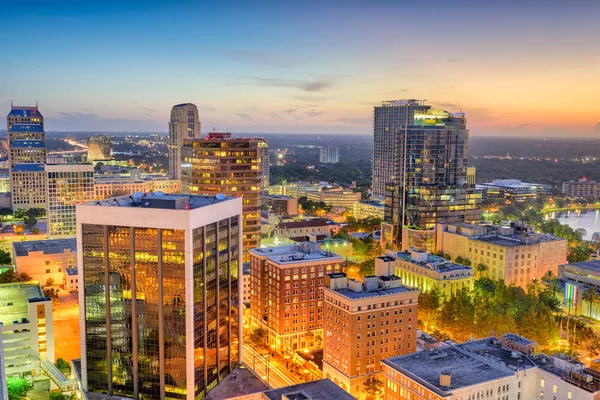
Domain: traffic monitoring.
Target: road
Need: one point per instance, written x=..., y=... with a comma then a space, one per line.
x=277, y=376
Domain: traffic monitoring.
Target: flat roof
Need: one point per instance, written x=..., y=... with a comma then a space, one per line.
x=296, y=253
x=435, y=263
x=240, y=382
x=593, y=265
x=148, y=200
x=380, y=292
x=52, y=246
x=14, y=300
x=28, y=168
x=321, y=389
x=516, y=240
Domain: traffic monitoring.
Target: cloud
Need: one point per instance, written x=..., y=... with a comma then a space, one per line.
x=403, y=90
x=355, y=121
x=77, y=121
x=206, y=108
x=316, y=85
x=244, y=116
x=447, y=105
x=312, y=99
x=258, y=58
x=313, y=113
x=455, y=60
x=147, y=109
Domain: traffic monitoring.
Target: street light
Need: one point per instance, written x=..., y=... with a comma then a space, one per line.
x=268, y=369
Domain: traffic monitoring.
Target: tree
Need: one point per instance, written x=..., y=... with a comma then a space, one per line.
x=429, y=304
x=18, y=229
x=319, y=339
x=480, y=267
x=35, y=230
x=62, y=366
x=373, y=387
x=367, y=268
x=53, y=294
x=579, y=252
x=62, y=396
x=5, y=257
x=591, y=296
x=17, y=388
x=463, y=261
x=50, y=282
x=534, y=287
x=10, y=276
x=258, y=336
x=551, y=282
x=5, y=212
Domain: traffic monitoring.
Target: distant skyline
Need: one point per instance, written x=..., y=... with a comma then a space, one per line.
x=516, y=68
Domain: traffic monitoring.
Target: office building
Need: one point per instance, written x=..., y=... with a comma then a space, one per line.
x=578, y=279
x=231, y=166
x=371, y=209
x=366, y=322
x=286, y=293
x=581, y=189
x=159, y=294
x=26, y=328
x=106, y=186
x=98, y=148
x=420, y=165
x=45, y=260
x=184, y=124
x=280, y=205
x=514, y=253
x=298, y=230
x=71, y=280
x=66, y=186
x=329, y=155
x=335, y=197
x=513, y=190
x=265, y=165
x=4, y=183
x=26, y=157
x=471, y=175
x=426, y=271
x=296, y=189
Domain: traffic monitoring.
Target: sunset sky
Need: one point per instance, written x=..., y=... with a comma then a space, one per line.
x=516, y=67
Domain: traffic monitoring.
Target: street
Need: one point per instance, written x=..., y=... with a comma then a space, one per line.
x=277, y=375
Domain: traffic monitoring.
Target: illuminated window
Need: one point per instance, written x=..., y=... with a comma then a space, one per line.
x=541, y=383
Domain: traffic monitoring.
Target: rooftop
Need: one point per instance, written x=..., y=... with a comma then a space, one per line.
x=71, y=271
x=38, y=144
x=23, y=128
x=380, y=292
x=14, y=300
x=23, y=111
x=512, y=184
x=28, y=168
x=592, y=266
x=159, y=200
x=435, y=263
x=53, y=246
x=317, y=390
x=303, y=224
x=296, y=253
x=516, y=239
x=239, y=382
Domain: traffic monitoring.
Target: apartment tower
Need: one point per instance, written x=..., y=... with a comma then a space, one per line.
x=184, y=124
x=159, y=294
x=231, y=166
x=98, y=148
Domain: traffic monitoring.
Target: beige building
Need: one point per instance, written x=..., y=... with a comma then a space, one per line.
x=299, y=229
x=71, y=280
x=425, y=271
x=582, y=189
x=183, y=124
x=105, y=188
x=281, y=205
x=45, y=260
x=366, y=322
x=335, y=196
x=28, y=186
x=471, y=175
x=4, y=183
x=515, y=254
x=286, y=295
x=98, y=148
x=368, y=210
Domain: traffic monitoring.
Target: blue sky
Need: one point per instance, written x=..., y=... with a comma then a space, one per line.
x=517, y=68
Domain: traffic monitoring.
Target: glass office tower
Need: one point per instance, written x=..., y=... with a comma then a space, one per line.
x=160, y=294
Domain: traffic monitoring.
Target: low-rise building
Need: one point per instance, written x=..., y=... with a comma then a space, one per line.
x=371, y=209
x=280, y=205
x=287, y=293
x=26, y=328
x=45, y=260
x=581, y=189
x=579, y=278
x=315, y=390
x=366, y=322
x=300, y=229
x=335, y=196
x=246, y=287
x=107, y=186
x=513, y=190
x=515, y=253
x=71, y=280
x=427, y=271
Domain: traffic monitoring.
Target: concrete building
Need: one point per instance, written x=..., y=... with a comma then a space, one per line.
x=298, y=230
x=26, y=328
x=4, y=183
x=579, y=278
x=321, y=389
x=98, y=148
x=27, y=151
x=366, y=322
x=231, y=166
x=45, y=260
x=515, y=254
x=280, y=205
x=296, y=189
x=71, y=280
x=66, y=186
x=471, y=175
x=581, y=189
x=265, y=165
x=286, y=293
x=372, y=209
x=26, y=115
x=28, y=186
x=184, y=124
x=335, y=197
x=159, y=294
x=426, y=271
x=513, y=190
x=329, y=155
x=105, y=187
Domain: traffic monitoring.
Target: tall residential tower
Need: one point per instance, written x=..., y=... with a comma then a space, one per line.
x=184, y=124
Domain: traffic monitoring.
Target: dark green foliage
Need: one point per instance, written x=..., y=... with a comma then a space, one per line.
x=5, y=258
x=17, y=388
x=11, y=276
x=367, y=268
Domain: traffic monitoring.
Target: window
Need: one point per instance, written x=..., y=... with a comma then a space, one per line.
x=554, y=388
x=47, y=270
x=541, y=383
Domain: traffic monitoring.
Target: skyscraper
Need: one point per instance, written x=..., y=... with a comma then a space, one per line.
x=184, y=124
x=66, y=186
x=329, y=155
x=159, y=294
x=420, y=165
x=26, y=157
x=231, y=166
x=98, y=148
x=265, y=164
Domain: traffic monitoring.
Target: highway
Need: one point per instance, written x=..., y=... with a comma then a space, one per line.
x=277, y=375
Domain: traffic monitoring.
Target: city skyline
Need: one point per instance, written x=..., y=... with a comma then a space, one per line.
x=267, y=68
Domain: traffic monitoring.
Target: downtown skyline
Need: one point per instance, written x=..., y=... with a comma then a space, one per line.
x=303, y=67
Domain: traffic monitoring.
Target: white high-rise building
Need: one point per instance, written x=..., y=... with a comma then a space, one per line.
x=184, y=124
x=329, y=155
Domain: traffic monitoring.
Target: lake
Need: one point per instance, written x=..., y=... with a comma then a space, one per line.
x=588, y=220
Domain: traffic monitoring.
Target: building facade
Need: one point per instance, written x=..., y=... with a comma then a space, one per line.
x=66, y=186
x=578, y=279
x=159, y=294
x=581, y=189
x=471, y=175
x=98, y=148
x=364, y=324
x=110, y=187
x=184, y=124
x=45, y=260
x=513, y=190
x=298, y=230
x=28, y=186
x=373, y=209
x=286, y=295
x=231, y=166
x=265, y=165
x=515, y=254
x=335, y=197
x=329, y=155
x=280, y=205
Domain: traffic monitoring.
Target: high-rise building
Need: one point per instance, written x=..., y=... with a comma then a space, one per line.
x=184, y=124
x=159, y=296
x=265, y=163
x=66, y=186
x=26, y=157
x=420, y=165
x=329, y=155
x=231, y=166
x=286, y=296
x=366, y=322
x=98, y=148
x=471, y=175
